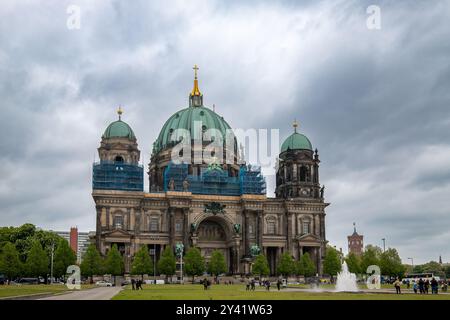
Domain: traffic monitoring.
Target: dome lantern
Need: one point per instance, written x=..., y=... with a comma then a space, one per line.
x=195, y=96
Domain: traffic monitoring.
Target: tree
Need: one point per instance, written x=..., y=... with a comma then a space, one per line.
x=10, y=264
x=371, y=256
x=418, y=268
x=217, y=264
x=353, y=263
x=37, y=261
x=447, y=271
x=194, y=264
x=261, y=266
x=305, y=266
x=433, y=267
x=332, y=262
x=286, y=265
x=23, y=237
x=167, y=263
x=114, y=262
x=142, y=264
x=91, y=263
x=391, y=264
x=64, y=257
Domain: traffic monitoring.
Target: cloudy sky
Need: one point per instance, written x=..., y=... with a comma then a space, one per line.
x=376, y=103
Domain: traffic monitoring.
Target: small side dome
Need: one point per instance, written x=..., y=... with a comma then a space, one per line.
x=119, y=129
x=296, y=141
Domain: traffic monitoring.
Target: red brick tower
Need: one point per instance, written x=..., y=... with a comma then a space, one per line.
x=74, y=239
x=355, y=242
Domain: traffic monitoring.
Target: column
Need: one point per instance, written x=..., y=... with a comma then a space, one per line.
x=260, y=228
x=289, y=231
x=128, y=226
x=108, y=226
x=186, y=228
x=322, y=226
x=246, y=233
x=98, y=230
x=171, y=228
x=236, y=257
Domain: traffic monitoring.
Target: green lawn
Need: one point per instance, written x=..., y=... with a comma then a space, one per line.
x=237, y=292
x=22, y=290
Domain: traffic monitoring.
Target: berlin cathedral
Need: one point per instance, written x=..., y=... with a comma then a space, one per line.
x=207, y=205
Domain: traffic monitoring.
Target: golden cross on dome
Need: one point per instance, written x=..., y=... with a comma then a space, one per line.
x=195, y=70
x=119, y=111
x=295, y=124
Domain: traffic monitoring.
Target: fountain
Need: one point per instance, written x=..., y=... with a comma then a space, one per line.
x=346, y=281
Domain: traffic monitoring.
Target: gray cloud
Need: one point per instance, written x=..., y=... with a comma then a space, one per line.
x=375, y=103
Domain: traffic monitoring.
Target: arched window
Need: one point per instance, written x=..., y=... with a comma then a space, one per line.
x=154, y=224
x=271, y=226
x=118, y=159
x=306, y=227
x=303, y=173
x=118, y=222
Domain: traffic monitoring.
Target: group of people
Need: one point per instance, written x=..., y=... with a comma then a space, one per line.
x=136, y=284
x=421, y=286
x=250, y=284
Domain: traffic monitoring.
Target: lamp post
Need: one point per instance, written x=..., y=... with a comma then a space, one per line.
x=384, y=244
x=51, y=264
x=154, y=262
x=179, y=251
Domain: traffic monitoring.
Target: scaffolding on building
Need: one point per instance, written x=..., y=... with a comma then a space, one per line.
x=108, y=175
x=214, y=180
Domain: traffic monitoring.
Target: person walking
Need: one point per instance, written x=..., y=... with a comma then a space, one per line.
x=426, y=285
x=434, y=286
x=397, y=285
x=252, y=284
x=247, y=284
x=205, y=284
x=279, y=284
x=133, y=283
x=421, y=286
x=415, y=286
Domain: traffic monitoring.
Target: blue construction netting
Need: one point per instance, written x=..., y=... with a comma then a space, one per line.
x=215, y=181
x=117, y=176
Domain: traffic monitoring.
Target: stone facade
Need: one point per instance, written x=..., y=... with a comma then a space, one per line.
x=132, y=219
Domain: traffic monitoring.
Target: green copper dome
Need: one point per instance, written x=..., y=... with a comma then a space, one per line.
x=296, y=141
x=119, y=129
x=186, y=119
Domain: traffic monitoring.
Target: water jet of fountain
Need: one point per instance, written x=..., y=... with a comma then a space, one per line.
x=346, y=281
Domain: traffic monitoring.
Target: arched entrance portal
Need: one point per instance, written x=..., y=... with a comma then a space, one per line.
x=214, y=234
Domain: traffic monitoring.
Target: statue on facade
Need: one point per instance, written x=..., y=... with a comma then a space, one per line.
x=185, y=185
x=193, y=227
x=255, y=250
x=171, y=185
x=179, y=248
x=237, y=227
x=322, y=190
